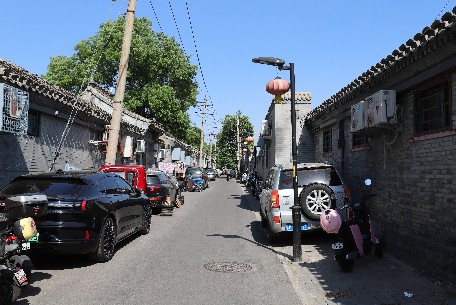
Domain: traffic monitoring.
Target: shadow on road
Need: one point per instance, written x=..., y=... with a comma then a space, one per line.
x=68, y=261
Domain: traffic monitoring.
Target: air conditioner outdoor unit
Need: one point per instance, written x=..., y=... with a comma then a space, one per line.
x=357, y=116
x=381, y=109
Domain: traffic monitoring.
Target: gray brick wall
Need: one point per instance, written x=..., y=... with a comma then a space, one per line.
x=21, y=154
x=279, y=148
x=416, y=186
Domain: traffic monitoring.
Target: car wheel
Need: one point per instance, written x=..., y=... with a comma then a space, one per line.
x=106, y=242
x=145, y=226
x=346, y=265
x=315, y=199
x=379, y=251
x=264, y=221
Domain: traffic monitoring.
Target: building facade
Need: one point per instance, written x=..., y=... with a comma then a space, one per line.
x=274, y=143
x=44, y=128
x=396, y=124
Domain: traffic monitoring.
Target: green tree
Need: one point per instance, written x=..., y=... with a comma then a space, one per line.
x=227, y=138
x=194, y=136
x=160, y=80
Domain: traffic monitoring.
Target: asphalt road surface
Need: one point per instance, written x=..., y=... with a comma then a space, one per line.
x=211, y=251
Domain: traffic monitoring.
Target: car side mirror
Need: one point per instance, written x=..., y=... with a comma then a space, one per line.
x=138, y=192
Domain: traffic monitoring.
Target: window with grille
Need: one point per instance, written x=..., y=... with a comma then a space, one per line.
x=34, y=123
x=359, y=140
x=432, y=108
x=327, y=140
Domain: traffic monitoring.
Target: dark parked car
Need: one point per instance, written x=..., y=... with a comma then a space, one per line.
x=197, y=172
x=163, y=191
x=210, y=173
x=88, y=213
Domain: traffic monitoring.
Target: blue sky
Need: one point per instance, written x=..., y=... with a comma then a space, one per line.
x=330, y=42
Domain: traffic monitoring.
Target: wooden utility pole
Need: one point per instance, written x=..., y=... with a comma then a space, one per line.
x=200, y=163
x=238, y=141
x=211, y=138
x=120, y=89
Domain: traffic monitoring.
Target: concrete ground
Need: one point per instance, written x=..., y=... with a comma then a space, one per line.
x=387, y=281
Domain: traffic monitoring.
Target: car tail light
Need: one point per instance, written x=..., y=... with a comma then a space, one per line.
x=275, y=199
x=155, y=198
x=155, y=188
x=276, y=219
x=84, y=205
x=87, y=235
x=347, y=193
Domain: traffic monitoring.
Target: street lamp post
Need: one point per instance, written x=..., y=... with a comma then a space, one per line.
x=296, y=209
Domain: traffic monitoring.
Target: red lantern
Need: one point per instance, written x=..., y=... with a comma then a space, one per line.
x=249, y=139
x=277, y=87
x=244, y=149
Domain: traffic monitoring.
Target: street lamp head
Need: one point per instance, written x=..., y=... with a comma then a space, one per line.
x=272, y=61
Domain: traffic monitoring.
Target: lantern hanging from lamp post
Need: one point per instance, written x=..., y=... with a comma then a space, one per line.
x=249, y=139
x=277, y=87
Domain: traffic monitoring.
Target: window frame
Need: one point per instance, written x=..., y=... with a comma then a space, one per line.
x=445, y=106
x=327, y=147
x=35, y=130
x=359, y=140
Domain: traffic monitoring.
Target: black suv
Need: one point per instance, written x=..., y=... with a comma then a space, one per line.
x=88, y=213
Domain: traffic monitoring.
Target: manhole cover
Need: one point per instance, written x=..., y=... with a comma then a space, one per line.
x=228, y=267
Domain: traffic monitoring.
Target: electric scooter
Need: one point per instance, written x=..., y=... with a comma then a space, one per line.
x=17, y=228
x=356, y=235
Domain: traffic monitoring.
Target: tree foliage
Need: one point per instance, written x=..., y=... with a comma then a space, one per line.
x=160, y=79
x=227, y=138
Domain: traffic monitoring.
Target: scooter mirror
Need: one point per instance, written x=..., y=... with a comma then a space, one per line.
x=368, y=182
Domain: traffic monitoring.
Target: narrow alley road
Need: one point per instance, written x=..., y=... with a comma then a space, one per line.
x=211, y=251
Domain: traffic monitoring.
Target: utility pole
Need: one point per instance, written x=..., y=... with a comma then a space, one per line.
x=211, y=138
x=238, y=143
x=120, y=89
x=202, y=133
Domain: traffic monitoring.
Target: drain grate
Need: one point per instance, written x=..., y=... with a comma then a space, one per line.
x=228, y=267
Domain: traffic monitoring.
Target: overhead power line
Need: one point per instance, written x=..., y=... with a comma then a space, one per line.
x=156, y=17
x=197, y=54
x=177, y=27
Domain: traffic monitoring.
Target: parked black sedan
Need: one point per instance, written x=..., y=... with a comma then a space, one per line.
x=163, y=191
x=88, y=213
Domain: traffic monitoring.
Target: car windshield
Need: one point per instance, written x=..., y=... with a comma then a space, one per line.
x=326, y=176
x=152, y=179
x=195, y=172
x=50, y=187
x=210, y=171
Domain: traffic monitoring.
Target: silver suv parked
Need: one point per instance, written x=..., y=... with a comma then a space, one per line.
x=320, y=188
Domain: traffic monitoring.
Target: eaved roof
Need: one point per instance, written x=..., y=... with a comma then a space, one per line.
x=102, y=99
x=439, y=34
x=23, y=79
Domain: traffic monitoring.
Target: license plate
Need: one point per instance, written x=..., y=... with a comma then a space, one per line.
x=26, y=246
x=304, y=227
x=34, y=239
x=20, y=277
